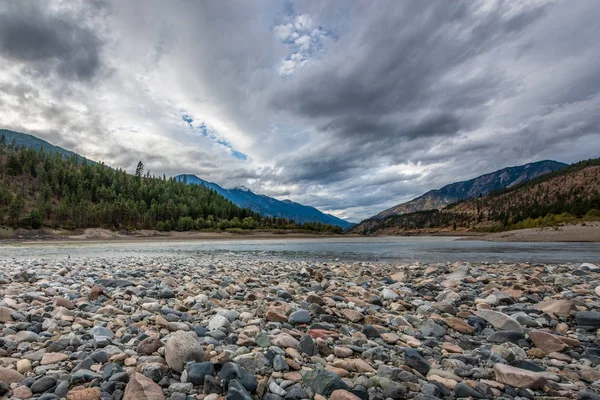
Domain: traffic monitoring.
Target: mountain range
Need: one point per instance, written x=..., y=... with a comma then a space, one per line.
x=242, y=196
x=480, y=186
x=268, y=206
x=566, y=195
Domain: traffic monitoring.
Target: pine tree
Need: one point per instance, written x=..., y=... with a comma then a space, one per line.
x=139, y=170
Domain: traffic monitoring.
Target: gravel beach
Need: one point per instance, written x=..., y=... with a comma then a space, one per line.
x=200, y=327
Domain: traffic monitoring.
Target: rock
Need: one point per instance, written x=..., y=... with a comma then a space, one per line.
x=392, y=373
x=6, y=314
x=53, y=358
x=211, y=385
x=96, y=292
x=584, y=395
x=142, y=388
x=276, y=389
x=394, y=391
x=371, y=332
x=232, y=372
x=253, y=362
x=323, y=382
x=275, y=316
x=341, y=394
x=284, y=340
x=307, y=346
x=149, y=346
x=430, y=328
x=26, y=336
x=463, y=390
x=459, y=325
x=10, y=375
x=23, y=366
x=556, y=307
x=219, y=322
x=279, y=364
x=342, y=352
x=299, y=317
x=22, y=392
x=588, y=318
x=389, y=294
x=182, y=347
x=506, y=336
x=451, y=348
x=444, y=307
x=197, y=371
x=500, y=320
x=517, y=377
x=415, y=360
x=62, y=302
x=179, y=387
x=114, y=283
x=43, y=384
x=101, y=333
x=237, y=391
x=84, y=394
x=547, y=342
x=263, y=340
x=352, y=315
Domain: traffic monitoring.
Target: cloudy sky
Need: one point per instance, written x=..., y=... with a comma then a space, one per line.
x=349, y=106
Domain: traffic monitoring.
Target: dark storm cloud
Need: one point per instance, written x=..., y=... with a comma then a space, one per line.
x=395, y=60
x=352, y=107
x=46, y=40
x=368, y=129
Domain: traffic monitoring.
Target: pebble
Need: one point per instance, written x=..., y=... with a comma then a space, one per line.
x=148, y=326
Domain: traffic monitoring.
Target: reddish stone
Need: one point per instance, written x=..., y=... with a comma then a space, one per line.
x=321, y=333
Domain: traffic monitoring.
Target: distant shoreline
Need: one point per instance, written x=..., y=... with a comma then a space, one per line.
x=98, y=235
x=569, y=233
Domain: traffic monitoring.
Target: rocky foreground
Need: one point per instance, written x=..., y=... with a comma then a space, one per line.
x=161, y=327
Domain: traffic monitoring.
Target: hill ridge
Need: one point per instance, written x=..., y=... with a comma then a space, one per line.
x=482, y=184
x=269, y=206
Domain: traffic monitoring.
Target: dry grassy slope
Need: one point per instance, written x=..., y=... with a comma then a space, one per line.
x=473, y=188
x=583, y=183
x=425, y=202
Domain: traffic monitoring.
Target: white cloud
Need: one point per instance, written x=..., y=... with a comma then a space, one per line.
x=304, y=41
x=330, y=109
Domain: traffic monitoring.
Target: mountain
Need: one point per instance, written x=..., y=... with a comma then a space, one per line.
x=482, y=185
x=566, y=194
x=32, y=142
x=43, y=189
x=268, y=206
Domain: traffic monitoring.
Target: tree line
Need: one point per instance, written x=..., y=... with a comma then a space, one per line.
x=39, y=188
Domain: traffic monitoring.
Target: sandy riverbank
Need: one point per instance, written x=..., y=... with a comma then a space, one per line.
x=570, y=233
x=589, y=232
x=97, y=235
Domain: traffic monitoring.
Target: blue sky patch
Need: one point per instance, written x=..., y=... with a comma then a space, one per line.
x=204, y=131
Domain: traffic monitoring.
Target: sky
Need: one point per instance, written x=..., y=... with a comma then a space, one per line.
x=349, y=106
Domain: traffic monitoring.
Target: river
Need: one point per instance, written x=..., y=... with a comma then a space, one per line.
x=392, y=249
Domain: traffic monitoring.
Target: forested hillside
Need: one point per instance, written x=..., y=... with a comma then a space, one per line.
x=570, y=194
x=44, y=189
x=20, y=139
x=268, y=206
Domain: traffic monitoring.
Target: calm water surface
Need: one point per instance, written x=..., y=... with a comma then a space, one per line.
x=424, y=249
